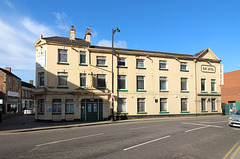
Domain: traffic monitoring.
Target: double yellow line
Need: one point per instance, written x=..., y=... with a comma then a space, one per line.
x=235, y=153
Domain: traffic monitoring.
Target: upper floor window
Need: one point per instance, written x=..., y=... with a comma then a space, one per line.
x=62, y=79
x=62, y=56
x=121, y=82
x=121, y=62
x=101, y=81
x=83, y=58
x=184, y=84
x=101, y=61
x=83, y=80
x=183, y=66
x=163, y=65
x=203, y=85
x=140, y=63
x=140, y=82
x=163, y=83
x=213, y=85
x=41, y=79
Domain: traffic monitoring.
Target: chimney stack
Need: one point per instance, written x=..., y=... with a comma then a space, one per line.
x=31, y=82
x=72, y=33
x=88, y=35
x=8, y=69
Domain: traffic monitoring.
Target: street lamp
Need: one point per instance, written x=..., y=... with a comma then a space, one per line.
x=112, y=95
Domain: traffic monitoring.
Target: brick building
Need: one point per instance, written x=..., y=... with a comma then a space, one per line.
x=28, y=94
x=10, y=91
x=231, y=89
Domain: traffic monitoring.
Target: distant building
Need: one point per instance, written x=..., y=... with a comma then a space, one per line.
x=10, y=91
x=28, y=98
x=74, y=81
x=231, y=89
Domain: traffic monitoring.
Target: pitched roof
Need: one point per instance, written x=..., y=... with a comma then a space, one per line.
x=66, y=40
x=25, y=84
x=9, y=73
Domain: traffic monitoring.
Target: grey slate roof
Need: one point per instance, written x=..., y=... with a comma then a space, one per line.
x=66, y=40
x=9, y=73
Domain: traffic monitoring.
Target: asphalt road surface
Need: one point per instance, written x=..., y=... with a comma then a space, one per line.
x=173, y=138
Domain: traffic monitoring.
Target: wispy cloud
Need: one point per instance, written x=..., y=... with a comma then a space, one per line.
x=108, y=43
x=8, y=3
x=62, y=20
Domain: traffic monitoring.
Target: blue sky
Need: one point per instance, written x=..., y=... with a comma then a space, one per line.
x=175, y=26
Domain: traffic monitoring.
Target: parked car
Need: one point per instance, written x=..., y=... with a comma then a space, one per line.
x=234, y=120
x=29, y=111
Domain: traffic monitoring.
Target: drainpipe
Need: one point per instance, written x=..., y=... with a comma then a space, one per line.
x=196, y=84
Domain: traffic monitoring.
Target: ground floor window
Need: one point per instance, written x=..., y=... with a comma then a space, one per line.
x=69, y=106
x=41, y=105
x=184, y=105
x=204, y=105
x=163, y=105
x=214, y=105
x=122, y=105
x=57, y=106
x=141, y=106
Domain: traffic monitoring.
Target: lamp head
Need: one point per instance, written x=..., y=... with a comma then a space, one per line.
x=117, y=30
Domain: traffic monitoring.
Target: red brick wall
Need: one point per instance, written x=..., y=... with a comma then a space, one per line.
x=231, y=87
x=2, y=84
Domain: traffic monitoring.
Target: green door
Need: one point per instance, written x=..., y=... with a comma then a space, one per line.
x=91, y=110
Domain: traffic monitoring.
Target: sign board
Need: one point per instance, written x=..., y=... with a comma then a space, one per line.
x=13, y=94
x=208, y=69
x=41, y=59
x=49, y=108
x=221, y=75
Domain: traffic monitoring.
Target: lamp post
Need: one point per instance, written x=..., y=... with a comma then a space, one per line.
x=112, y=95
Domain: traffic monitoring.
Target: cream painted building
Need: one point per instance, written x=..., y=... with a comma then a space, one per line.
x=74, y=81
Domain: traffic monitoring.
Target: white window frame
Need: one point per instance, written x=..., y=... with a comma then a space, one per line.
x=122, y=102
x=58, y=105
x=60, y=76
x=184, y=64
x=163, y=79
x=138, y=61
x=83, y=54
x=163, y=101
x=143, y=82
x=101, y=58
x=185, y=101
x=204, y=104
x=61, y=52
x=205, y=89
x=186, y=83
x=213, y=85
x=41, y=105
x=105, y=78
x=122, y=77
x=69, y=106
x=138, y=102
x=214, y=104
x=121, y=59
x=83, y=76
x=162, y=63
x=40, y=76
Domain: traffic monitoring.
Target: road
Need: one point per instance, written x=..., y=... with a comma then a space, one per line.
x=175, y=138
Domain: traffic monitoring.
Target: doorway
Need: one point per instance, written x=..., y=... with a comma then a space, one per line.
x=91, y=109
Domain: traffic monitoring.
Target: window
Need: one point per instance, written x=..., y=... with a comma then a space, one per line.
x=101, y=61
x=214, y=105
x=163, y=83
x=69, y=106
x=213, y=85
x=183, y=66
x=83, y=80
x=62, y=79
x=121, y=62
x=163, y=65
x=122, y=105
x=57, y=106
x=140, y=82
x=140, y=63
x=203, y=85
x=83, y=58
x=141, y=105
x=121, y=82
x=41, y=105
x=184, y=84
x=184, y=105
x=204, y=105
x=62, y=56
x=41, y=79
x=163, y=105
x=101, y=81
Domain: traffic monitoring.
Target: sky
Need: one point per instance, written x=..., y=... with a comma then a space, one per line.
x=174, y=26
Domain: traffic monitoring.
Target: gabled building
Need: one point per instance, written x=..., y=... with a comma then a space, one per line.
x=28, y=98
x=74, y=81
x=10, y=92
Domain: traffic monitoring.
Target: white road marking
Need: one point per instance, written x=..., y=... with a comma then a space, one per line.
x=204, y=125
x=146, y=143
x=214, y=122
x=142, y=127
x=54, y=142
x=196, y=129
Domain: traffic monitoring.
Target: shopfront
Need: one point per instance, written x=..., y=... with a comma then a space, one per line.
x=91, y=109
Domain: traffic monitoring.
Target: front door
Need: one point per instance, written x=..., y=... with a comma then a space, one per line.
x=91, y=110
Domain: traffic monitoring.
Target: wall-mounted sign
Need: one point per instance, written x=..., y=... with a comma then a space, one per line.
x=40, y=58
x=13, y=94
x=221, y=77
x=208, y=69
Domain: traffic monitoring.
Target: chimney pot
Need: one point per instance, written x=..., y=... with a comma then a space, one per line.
x=8, y=69
x=31, y=82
